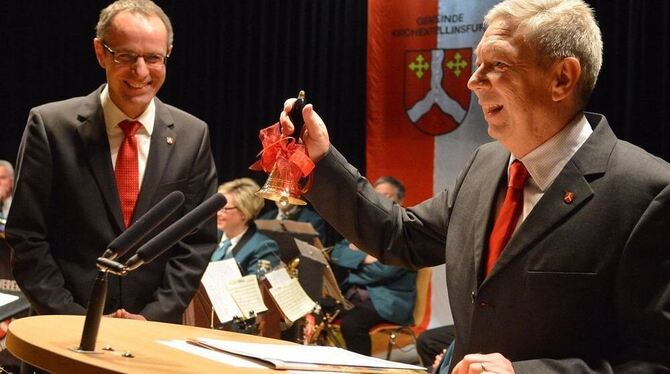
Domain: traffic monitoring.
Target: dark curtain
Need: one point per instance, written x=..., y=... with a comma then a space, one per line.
x=633, y=89
x=235, y=62
x=233, y=65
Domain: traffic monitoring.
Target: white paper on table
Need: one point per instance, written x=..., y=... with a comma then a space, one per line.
x=225, y=358
x=295, y=356
x=278, y=277
x=292, y=300
x=214, y=280
x=247, y=295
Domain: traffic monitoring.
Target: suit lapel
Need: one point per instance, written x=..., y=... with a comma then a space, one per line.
x=244, y=239
x=93, y=135
x=555, y=206
x=549, y=211
x=163, y=139
x=492, y=171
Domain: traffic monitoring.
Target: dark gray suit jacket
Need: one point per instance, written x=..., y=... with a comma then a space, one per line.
x=582, y=286
x=66, y=210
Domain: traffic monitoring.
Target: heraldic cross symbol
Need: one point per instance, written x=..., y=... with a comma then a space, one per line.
x=445, y=73
x=457, y=64
x=419, y=66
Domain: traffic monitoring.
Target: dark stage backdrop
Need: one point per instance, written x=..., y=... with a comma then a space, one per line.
x=234, y=63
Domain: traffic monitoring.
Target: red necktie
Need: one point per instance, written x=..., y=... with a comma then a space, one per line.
x=127, y=170
x=509, y=213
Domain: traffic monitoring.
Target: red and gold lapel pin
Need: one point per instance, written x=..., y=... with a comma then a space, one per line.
x=568, y=197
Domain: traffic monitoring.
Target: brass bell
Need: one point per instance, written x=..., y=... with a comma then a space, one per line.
x=281, y=188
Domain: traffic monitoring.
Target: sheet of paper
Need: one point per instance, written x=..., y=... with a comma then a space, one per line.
x=292, y=300
x=278, y=277
x=284, y=354
x=225, y=358
x=7, y=298
x=214, y=280
x=247, y=295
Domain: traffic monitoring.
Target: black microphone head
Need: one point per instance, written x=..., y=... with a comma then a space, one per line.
x=178, y=230
x=132, y=237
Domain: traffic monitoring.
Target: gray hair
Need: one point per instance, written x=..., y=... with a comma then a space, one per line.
x=393, y=181
x=8, y=165
x=144, y=7
x=557, y=29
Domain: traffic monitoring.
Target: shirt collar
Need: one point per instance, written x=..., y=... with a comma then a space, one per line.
x=236, y=239
x=114, y=115
x=293, y=211
x=545, y=162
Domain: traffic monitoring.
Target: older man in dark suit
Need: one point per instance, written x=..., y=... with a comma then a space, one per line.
x=90, y=166
x=562, y=267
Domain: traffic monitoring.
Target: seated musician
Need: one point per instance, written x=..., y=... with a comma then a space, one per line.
x=380, y=293
x=238, y=236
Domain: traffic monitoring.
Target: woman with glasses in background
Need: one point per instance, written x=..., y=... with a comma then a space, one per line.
x=239, y=237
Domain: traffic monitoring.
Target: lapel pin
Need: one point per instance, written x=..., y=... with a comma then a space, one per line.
x=568, y=197
x=169, y=140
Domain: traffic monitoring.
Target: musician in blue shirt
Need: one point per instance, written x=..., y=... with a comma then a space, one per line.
x=380, y=293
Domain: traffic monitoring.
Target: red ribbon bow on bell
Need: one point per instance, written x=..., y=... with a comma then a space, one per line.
x=283, y=155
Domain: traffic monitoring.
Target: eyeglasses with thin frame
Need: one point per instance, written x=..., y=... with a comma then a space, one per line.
x=227, y=208
x=129, y=58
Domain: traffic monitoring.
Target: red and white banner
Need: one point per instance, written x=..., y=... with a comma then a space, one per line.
x=422, y=121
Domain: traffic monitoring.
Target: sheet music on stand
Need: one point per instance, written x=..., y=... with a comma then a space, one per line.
x=291, y=300
x=231, y=294
x=12, y=301
x=330, y=287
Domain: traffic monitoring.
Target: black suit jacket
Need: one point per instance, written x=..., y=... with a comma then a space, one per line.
x=583, y=286
x=66, y=210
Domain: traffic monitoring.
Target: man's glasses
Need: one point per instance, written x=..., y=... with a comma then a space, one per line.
x=129, y=58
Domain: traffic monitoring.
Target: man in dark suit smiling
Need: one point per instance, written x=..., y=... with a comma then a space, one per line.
x=90, y=166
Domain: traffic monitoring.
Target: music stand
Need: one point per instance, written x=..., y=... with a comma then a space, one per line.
x=284, y=232
x=14, y=308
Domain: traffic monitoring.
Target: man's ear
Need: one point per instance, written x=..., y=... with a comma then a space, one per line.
x=99, y=52
x=566, y=75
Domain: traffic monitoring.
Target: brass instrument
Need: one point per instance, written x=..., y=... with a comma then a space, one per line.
x=293, y=267
x=324, y=332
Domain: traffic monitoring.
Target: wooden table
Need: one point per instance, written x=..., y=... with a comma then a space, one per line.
x=47, y=342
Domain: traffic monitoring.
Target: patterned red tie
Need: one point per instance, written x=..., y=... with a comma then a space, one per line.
x=127, y=170
x=509, y=213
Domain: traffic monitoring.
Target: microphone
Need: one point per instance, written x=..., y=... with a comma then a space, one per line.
x=175, y=232
x=143, y=226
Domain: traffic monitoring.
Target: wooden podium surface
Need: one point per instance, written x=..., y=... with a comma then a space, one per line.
x=46, y=342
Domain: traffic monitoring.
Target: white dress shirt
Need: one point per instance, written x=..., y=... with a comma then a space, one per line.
x=545, y=162
x=114, y=116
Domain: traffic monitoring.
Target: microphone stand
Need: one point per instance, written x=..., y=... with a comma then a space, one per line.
x=145, y=254
x=96, y=303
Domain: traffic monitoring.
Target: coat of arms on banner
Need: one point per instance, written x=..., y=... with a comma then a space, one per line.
x=436, y=94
